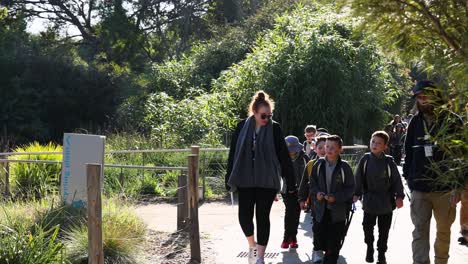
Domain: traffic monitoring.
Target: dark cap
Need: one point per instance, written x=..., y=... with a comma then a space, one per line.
x=293, y=144
x=421, y=85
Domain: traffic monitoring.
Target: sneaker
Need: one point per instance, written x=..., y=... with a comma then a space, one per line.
x=370, y=254
x=317, y=256
x=462, y=240
x=260, y=261
x=293, y=244
x=253, y=256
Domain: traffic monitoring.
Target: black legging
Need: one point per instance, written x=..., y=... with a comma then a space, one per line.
x=262, y=199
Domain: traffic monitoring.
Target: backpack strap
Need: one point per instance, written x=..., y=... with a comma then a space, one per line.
x=309, y=165
x=389, y=169
x=342, y=174
x=318, y=168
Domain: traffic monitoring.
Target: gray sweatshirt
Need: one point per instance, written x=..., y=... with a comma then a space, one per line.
x=379, y=183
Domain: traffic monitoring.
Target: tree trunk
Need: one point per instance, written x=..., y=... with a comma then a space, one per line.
x=233, y=10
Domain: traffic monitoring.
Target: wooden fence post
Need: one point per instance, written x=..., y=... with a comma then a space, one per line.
x=7, y=179
x=195, y=253
x=95, y=247
x=182, y=205
x=195, y=150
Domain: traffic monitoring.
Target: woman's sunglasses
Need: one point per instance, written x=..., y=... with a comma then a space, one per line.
x=265, y=116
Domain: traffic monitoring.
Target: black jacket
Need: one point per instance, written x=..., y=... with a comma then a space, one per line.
x=417, y=170
x=379, y=182
x=299, y=165
x=287, y=171
x=342, y=188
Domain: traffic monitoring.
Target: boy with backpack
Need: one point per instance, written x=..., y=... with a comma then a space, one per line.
x=306, y=201
x=309, y=132
x=293, y=211
x=332, y=185
x=379, y=183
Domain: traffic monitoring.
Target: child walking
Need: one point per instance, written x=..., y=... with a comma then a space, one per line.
x=309, y=132
x=379, y=183
x=305, y=200
x=293, y=211
x=332, y=184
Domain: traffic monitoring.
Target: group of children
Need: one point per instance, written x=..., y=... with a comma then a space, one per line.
x=328, y=188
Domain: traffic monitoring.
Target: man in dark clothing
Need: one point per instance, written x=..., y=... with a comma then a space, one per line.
x=396, y=143
x=379, y=183
x=429, y=196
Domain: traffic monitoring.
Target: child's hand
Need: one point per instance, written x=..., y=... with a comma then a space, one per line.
x=303, y=205
x=355, y=198
x=330, y=198
x=319, y=196
x=399, y=203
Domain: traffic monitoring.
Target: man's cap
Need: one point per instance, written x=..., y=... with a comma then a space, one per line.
x=421, y=85
x=293, y=144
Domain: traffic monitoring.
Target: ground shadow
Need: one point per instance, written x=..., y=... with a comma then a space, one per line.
x=291, y=257
x=307, y=225
x=175, y=243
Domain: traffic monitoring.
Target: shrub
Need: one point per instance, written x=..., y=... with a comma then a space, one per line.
x=22, y=246
x=39, y=232
x=36, y=179
x=313, y=63
x=123, y=235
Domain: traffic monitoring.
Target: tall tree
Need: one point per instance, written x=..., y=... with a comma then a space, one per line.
x=433, y=30
x=169, y=21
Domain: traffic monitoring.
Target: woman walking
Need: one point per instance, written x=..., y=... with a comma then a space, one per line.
x=258, y=158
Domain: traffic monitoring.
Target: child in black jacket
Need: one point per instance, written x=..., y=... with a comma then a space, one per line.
x=379, y=183
x=332, y=184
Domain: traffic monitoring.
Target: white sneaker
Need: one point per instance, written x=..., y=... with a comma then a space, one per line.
x=317, y=256
x=253, y=255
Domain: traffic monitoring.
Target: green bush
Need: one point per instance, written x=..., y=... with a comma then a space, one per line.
x=45, y=231
x=317, y=71
x=22, y=246
x=36, y=179
x=123, y=236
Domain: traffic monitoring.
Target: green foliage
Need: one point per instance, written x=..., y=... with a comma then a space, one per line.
x=172, y=124
x=452, y=139
x=123, y=235
x=36, y=179
x=45, y=91
x=431, y=36
x=188, y=76
x=318, y=72
x=45, y=231
x=434, y=32
x=21, y=246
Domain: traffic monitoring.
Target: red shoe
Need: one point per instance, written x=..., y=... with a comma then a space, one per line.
x=293, y=244
x=285, y=244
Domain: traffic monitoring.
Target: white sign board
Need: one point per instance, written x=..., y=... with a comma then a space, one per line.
x=79, y=149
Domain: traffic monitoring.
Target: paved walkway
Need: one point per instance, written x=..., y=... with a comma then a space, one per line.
x=219, y=224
